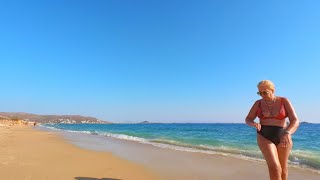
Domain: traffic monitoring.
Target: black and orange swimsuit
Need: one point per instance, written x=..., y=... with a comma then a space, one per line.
x=272, y=133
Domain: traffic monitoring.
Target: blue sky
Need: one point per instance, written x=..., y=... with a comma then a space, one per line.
x=160, y=61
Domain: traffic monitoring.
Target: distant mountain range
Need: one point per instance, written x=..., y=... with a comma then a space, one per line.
x=65, y=119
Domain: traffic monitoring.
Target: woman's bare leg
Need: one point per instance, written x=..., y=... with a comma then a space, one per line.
x=270, y=153
x=284, y=153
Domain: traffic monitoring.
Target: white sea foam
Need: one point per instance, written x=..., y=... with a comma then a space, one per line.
x=65, y=130
x=126, y=137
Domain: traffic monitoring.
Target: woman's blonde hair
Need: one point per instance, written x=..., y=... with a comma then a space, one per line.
x=266, y=83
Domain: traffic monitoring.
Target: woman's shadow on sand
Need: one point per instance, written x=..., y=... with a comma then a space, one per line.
x=90, y=178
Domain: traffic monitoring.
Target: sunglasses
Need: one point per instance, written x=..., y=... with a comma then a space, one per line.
x=263, y=93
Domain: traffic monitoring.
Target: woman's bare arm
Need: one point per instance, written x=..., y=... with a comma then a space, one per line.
x=252, y=114
x=294, y=121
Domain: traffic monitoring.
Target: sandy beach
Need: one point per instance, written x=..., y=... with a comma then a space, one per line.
x=28, y=153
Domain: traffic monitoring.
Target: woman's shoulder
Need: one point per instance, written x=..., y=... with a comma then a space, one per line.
x=259, y=100
x=283, y=99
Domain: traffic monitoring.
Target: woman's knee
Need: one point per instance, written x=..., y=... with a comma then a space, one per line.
x=276, y=168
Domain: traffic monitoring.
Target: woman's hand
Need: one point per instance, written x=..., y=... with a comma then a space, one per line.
x=285, y=140
x=257, y=126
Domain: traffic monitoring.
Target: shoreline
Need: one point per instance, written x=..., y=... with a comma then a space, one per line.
x=175, y=164
x=31, y=154
x=244, y=150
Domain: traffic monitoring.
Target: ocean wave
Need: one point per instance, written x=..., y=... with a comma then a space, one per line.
x=126, y=137
x=207, y=148
x=50, y=126
x=306, y=158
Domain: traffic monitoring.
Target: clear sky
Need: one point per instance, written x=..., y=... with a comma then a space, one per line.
x=159, y=61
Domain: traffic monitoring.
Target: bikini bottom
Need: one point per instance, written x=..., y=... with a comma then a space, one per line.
x=272, y=133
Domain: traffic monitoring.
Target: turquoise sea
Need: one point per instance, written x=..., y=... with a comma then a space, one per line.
x=228, y=139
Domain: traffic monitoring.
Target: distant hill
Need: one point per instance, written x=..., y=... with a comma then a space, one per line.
x=305, y=122
x=65, y=119
x=144, y=122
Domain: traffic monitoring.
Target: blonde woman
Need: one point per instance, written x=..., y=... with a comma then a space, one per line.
x=273, y=134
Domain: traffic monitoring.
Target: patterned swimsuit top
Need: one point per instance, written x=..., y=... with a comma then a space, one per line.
x=281, y=116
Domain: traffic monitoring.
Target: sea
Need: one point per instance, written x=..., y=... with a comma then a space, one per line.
x=237, y=140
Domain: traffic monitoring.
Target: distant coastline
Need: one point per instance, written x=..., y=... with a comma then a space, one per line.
x=79, y=119
x=51, y=119
x=305, y=122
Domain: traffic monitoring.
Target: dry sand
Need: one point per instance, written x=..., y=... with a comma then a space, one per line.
x=28, y=154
